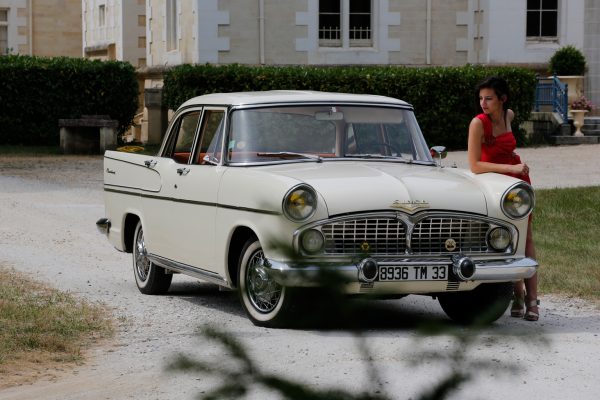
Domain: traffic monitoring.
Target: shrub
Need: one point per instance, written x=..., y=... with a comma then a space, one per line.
x=567, y=60
x=36, y=92
x=443, y=97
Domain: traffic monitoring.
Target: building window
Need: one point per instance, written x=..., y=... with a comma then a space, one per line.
x=3, y=31
x=102, y=15
x=542, y=20
x=172, y=25
x=345, y=23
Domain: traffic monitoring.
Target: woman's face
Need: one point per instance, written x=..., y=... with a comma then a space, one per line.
x=489, y=101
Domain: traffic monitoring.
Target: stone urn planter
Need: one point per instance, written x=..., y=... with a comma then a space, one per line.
x=578, y=121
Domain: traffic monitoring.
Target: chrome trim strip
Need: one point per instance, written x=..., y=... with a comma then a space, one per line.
x=189, y=270
x=363, y=103
x=200, y=203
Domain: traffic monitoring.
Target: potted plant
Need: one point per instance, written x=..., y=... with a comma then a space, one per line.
x=568, y=63
x=579, y=108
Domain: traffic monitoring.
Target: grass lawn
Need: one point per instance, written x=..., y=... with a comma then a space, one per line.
x=566, y=226
x=41, y=326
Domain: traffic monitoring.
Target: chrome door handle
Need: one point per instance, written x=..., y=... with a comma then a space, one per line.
x=150, y=163
x=183, y=171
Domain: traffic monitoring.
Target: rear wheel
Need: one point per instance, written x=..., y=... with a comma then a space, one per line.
x=149, y=277
x=482, y=305
x=266, y=302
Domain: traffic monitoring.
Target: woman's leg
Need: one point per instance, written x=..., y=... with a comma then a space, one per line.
x=530, y=283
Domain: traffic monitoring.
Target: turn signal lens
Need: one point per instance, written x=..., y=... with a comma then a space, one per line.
x=518, y=201
x=300, y=203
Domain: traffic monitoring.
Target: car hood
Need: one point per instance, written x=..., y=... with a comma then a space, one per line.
x=368, y=186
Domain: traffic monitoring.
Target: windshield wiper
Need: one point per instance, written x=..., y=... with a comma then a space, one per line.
x=377, y=156
x=287, y=154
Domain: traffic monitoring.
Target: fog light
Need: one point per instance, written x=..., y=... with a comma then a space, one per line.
x=499, y=239
x=367, y=270
x=312, y=241
x=463, y=267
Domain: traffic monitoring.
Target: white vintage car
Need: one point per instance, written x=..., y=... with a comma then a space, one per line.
x=262, y=192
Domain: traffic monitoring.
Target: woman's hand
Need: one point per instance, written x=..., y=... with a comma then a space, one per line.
x=520, y=169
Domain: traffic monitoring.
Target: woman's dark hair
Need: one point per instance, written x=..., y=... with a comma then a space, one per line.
x=498, y=85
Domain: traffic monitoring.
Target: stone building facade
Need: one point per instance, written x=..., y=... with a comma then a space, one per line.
x=44, y=28
x=115, y=30
x=327, y=32
x=333, y=32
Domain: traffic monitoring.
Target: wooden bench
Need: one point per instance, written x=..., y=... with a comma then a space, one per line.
x=88, y=134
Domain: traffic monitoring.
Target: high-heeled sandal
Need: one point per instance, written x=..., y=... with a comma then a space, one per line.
x=529, y=314
x=517, y=309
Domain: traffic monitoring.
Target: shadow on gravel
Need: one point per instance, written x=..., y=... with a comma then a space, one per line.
x=207, y=295
x=317, y=312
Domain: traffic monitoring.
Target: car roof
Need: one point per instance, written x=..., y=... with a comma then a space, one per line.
x=288, y=96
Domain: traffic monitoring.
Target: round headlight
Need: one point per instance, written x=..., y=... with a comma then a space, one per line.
x=518, y=201
x=500, y=239
x=312, y=241
x=300, y=203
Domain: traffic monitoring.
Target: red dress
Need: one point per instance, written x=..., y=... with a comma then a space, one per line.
x=499, y=149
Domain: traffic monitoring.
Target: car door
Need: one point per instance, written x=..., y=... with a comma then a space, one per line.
x=185, y=216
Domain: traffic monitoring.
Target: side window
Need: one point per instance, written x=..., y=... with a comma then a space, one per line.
x=211, y=133
x=183, y=138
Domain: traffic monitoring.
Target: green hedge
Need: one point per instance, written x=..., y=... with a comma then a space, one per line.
x=36, y=92
x=443, y=97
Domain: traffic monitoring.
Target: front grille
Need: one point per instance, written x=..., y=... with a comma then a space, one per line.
x=387, y=236
x=372, y=235
x=429, y=236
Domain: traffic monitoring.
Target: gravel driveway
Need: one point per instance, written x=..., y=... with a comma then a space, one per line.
x=48, y=210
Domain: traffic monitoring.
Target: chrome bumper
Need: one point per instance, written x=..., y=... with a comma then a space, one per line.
x=314, y=275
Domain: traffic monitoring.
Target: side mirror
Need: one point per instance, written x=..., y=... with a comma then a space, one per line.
x=439, y=153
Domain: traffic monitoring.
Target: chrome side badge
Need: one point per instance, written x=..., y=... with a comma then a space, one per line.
x=410, y=206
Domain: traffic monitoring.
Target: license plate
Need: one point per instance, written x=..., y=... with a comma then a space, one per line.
x=395, y=273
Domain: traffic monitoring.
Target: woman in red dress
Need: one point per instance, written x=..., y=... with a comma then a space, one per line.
x=491, y=149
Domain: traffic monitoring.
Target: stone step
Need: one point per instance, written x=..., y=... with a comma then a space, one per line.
x=559, y=140
x=592, y=122
x=591, y=126
x=590, y=132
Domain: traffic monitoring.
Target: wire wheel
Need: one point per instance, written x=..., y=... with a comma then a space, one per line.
x=263, y=292
x=266, y=302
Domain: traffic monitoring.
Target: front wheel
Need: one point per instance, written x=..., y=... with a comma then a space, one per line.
x=149, y=277
x=482, y=305
x=266, y=302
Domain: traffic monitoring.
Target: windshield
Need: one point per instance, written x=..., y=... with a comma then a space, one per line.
x=321, y=133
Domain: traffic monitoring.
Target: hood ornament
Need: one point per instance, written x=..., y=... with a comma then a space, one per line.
x=410, y=206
